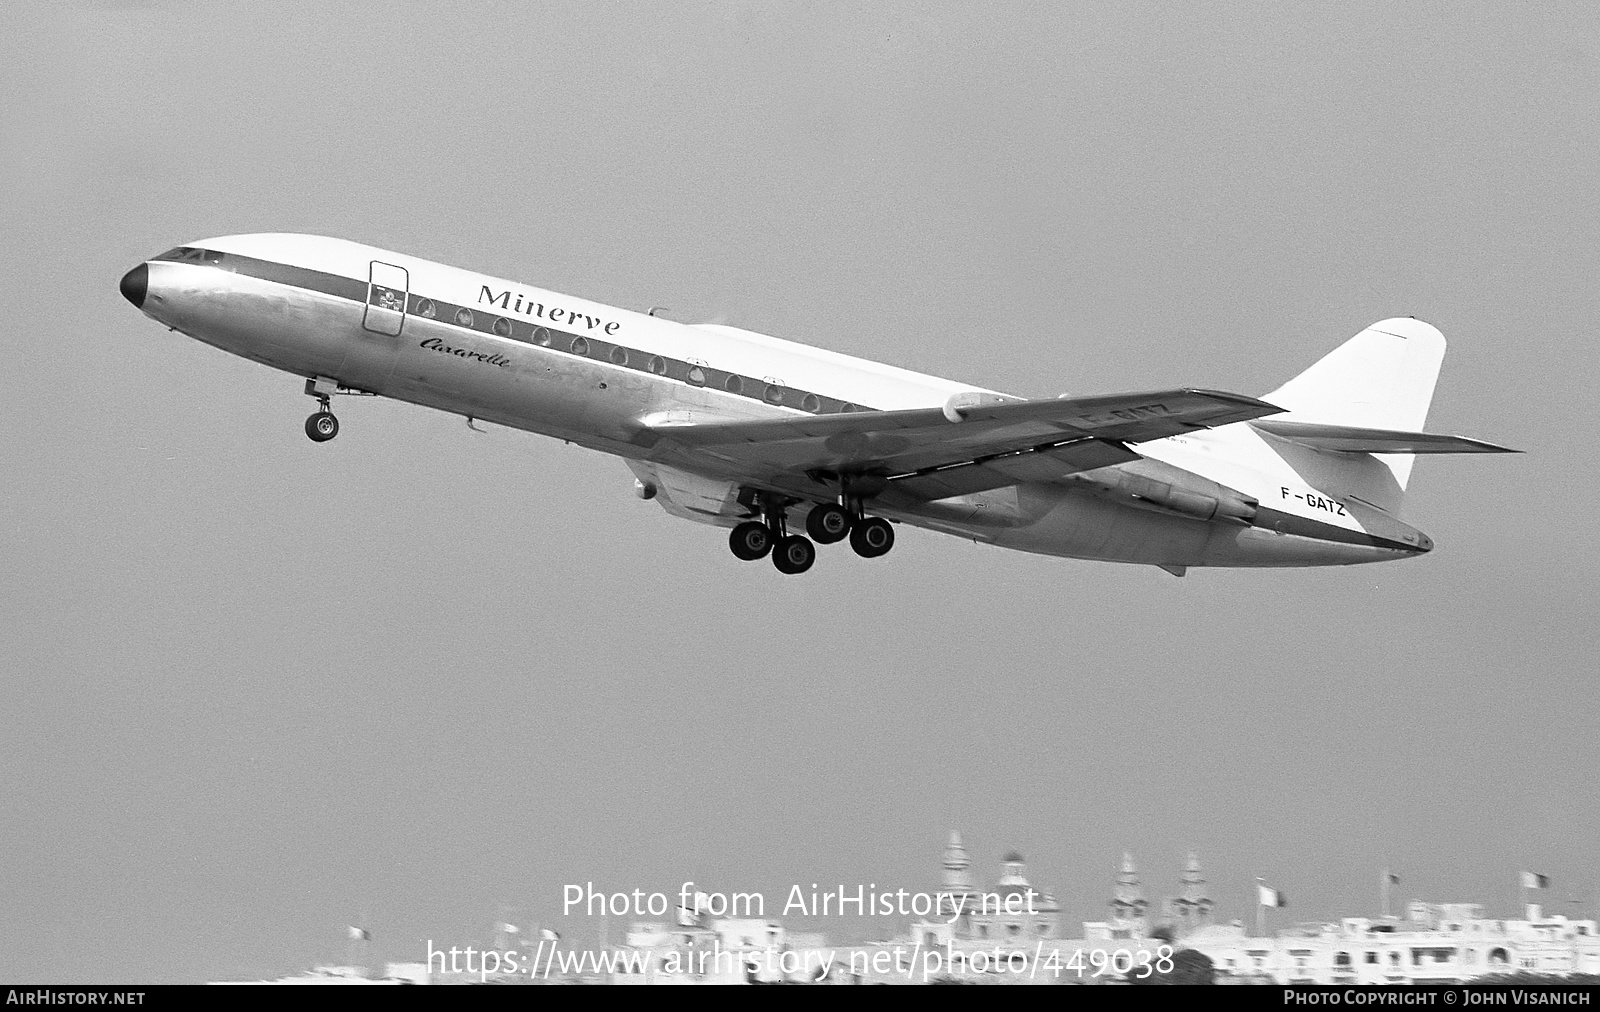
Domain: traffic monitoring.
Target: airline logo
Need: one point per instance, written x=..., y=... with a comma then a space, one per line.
x=555, y=314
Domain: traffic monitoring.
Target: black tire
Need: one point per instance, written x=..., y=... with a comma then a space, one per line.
x=750, y=540
x=827, y=523
x=322, y=427
x=794, y=554
x=872, y=537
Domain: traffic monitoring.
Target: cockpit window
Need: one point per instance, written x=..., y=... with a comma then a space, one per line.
x=191, y=254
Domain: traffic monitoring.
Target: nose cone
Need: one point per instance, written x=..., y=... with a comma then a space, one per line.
x=134, y=284
x=1424, y=543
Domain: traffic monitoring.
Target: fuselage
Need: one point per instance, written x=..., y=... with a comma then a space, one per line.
x=385, y=323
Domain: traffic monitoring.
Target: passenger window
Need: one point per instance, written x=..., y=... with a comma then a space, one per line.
x=773, y=394
x=658, y=365
x=541, y=336
x=580, y=346
x=811, y=402
x=426, y=308
x=697, y=376
x=619, y=356
x=464, y=317
x=734, y=385
x=846, y=407
x=502, y=326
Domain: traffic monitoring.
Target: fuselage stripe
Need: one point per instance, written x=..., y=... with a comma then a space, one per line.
x=489, y=325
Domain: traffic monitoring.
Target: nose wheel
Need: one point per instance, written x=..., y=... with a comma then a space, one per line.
x=322, y=426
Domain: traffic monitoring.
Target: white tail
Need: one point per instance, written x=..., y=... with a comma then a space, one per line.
x=1382, y=378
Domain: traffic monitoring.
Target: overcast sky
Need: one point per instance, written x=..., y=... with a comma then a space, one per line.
x=258, y=689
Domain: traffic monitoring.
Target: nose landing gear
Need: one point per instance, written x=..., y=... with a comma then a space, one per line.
x=322, y=426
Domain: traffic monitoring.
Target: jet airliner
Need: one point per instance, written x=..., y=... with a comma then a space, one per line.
x=769, y=438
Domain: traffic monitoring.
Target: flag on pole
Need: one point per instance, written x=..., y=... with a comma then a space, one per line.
x=1270, y=897
x=1533, y=880
x=359, y=934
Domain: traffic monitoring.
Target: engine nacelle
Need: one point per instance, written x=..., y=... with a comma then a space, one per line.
x=1175, y=489
x=1185, y=501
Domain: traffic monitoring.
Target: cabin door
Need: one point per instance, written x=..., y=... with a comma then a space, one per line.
x=387, y=291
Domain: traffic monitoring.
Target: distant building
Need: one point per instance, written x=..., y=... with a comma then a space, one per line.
x=975, y=939
x=1434, y=944
x=394, y=973
x=1013, y=910
x=1191, y=909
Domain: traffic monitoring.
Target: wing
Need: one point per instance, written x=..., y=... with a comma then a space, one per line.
x=933, y=453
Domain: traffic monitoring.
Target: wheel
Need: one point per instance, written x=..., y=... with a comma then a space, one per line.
x=827, y=523
x=872, y=537
x=322, y=427
x=750, y=540
x=794, y=554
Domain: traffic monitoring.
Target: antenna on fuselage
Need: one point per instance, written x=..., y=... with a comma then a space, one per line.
x=656, y=309
x=474, y=428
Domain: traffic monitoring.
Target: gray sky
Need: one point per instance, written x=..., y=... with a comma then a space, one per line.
x=255, y=686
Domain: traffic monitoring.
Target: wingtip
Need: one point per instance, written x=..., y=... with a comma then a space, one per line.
x=1245, y=400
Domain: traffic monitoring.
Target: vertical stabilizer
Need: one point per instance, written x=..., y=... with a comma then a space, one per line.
x=1382, y=378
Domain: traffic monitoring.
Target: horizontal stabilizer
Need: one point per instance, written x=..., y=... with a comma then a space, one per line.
x=1355, y=439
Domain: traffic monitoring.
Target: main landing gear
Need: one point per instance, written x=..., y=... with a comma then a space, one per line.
x=322, y=426
x=827, y=523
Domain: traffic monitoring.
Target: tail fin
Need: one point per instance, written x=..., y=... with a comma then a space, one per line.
x=1382, y=378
